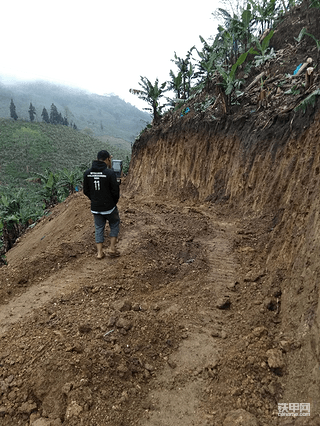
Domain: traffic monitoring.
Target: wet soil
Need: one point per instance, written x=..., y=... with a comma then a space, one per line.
x=156, y=336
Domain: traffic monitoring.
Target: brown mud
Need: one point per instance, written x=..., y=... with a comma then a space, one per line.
x=211, y=314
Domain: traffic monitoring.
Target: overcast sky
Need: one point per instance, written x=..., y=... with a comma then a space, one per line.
x=102, y=46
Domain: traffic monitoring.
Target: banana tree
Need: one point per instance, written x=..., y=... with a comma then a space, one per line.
x=206, y=63
x=49, y=186
x=9, y=220
x=235, y=33
x=186, y=70
x=265, y=13
x=175, y=83
x=70, y=179
x=151, y=93
x=263, y=47
x=228, y=79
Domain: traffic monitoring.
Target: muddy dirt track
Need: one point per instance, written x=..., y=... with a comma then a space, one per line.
x=162, y=335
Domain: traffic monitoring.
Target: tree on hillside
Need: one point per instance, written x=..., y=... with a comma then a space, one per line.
x=13, y=113
x=54, y=115
x=45, y=115
x=185, y=75
x=60, y=119
x=32, y=112
x=151, y=93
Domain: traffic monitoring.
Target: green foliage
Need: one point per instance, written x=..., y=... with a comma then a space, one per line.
x=18, y=208
x=292, y=91
x=265, y=13
x=265, y=53
x=309, y=100
x=315, y=3
x=203, y=106
x=302, y=33
x=151, y=93
x=45, y=116
x=118, y=118
x=126, y=164
x=22, y=207
x=13, y=113
x=181, y=83
x=70, y=180
x=229, y=82
x=28, y=148
x=32, y=112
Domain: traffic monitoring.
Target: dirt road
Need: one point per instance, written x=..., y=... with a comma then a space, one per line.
x=158, y=336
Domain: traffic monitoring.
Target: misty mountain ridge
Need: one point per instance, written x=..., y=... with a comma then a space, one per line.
x=98, y=115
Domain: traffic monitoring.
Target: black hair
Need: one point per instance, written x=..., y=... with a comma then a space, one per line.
x=103, y=155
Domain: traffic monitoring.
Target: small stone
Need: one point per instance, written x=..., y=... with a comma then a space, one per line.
x=240, y=418
x=28, y=407
x=149, y=367
x=66, y=388
x=232, y=286
x=41, y=422
x=124, y=323
x=84, y=328
x=73, y=410
x=9, y=378
x=56, y=422
x=215, y=333
x=136, y=307
x=223, y=334
x=172, y=364
x=122, y=370
x=112, y=321
x=33, y=417
x=223, y=303
x=123, y=306
x=275, y=358
x=285, y=345
x=260, y=331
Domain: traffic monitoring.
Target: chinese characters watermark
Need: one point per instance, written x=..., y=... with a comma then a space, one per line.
x=293, y=409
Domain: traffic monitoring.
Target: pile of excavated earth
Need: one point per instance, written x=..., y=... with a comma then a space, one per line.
x=211, y=314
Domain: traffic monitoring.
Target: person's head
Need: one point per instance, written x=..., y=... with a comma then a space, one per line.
x=105, y=157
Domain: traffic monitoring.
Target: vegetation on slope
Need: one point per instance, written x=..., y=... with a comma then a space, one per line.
x=41, y=164
x=99, y=115
x=242, y=46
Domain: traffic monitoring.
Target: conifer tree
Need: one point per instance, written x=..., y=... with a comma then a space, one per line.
x=13, y=113
x=45, y=116
x=60, y=119
x=32, y=112
x=54, y=115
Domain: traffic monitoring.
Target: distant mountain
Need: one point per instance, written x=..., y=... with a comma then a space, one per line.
x=101, y=116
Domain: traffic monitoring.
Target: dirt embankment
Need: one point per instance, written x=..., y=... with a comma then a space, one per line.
x=271, y=180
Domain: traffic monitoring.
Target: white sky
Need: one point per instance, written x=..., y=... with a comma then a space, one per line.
x=102, y=46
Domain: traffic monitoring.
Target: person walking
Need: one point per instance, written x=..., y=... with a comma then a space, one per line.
x=101, y=187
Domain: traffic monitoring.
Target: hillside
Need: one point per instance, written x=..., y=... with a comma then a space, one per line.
x=29, y=148
x=211, y=314
x=103, y=115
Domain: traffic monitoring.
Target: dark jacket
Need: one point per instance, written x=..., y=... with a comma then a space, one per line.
x=101, y=187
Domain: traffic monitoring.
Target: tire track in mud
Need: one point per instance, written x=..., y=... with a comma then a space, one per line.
x=177, y=401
